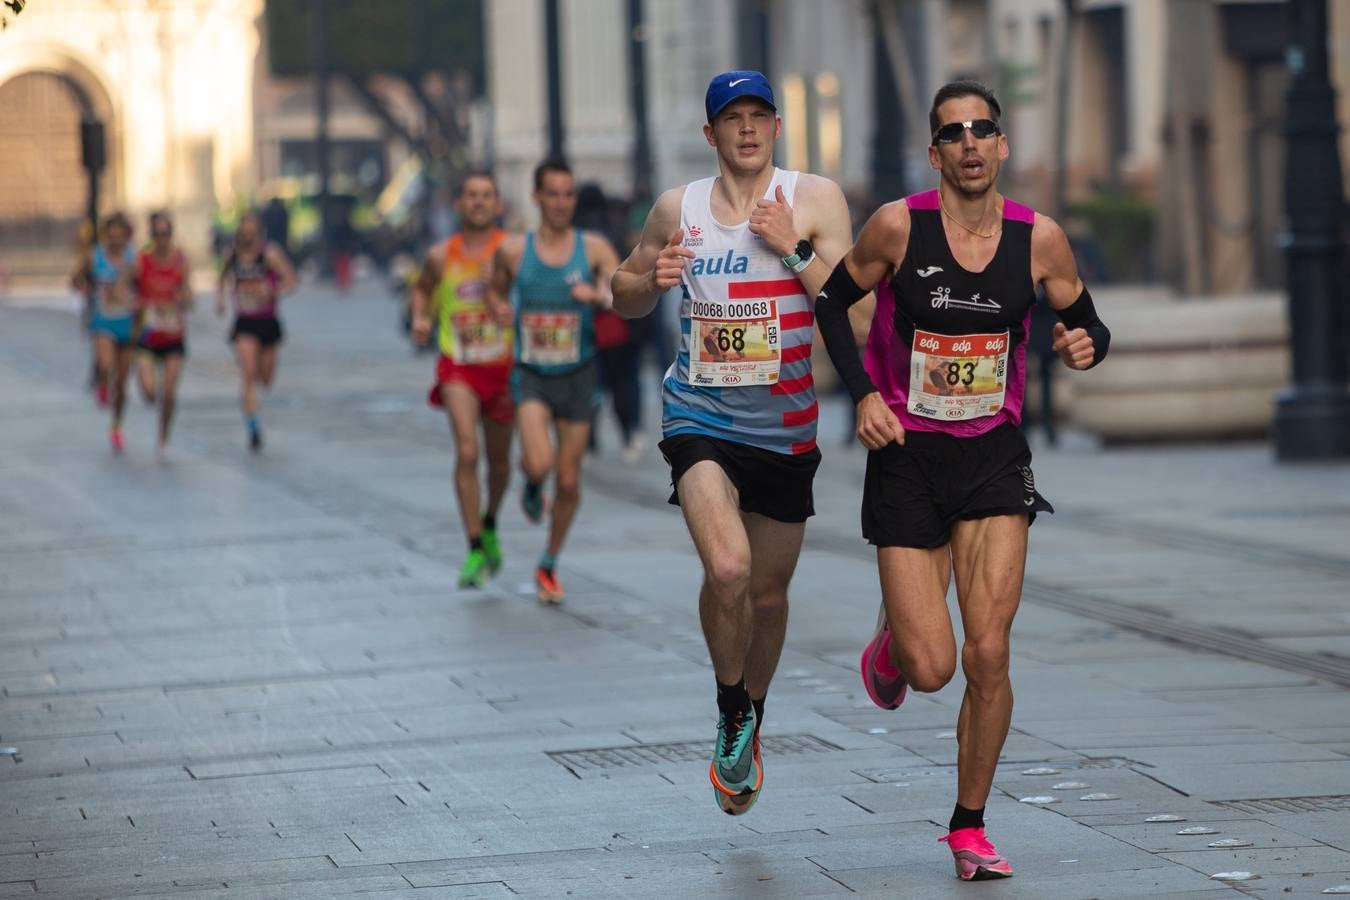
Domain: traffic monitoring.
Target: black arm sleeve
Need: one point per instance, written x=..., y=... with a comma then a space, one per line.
x=839, y=293
x=1082, y=314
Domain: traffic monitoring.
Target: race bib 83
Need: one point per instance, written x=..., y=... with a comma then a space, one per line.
x=957, y=377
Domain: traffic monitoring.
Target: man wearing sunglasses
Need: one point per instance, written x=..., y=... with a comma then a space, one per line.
x=949, y=486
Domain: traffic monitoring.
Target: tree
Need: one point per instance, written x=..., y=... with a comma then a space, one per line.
x=8, y=10
x=433, y=47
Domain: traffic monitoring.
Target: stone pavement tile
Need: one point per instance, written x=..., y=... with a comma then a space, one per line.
x=1284, y=861
x=1136, y=793
x=1194, y=672
x=1331, y=828
x=1295, y=884
x=1272, y=751
x=310, y=891
x=655, y=870
x=1156, y=882
x=905, y=801
x=1035, y=839
x=1222, y=781
x=1195, y=812
x=301, y=878
x=920, y=713
x=1086, y=646
x=1147, y=731
x=1291, y=694
x=168, y=857
x=1313, y=711
x=1281, y=623
x=1160, y=837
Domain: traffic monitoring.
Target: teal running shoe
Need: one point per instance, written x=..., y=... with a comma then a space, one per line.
x=739, y=804
x=735, y=769
x=532, y=502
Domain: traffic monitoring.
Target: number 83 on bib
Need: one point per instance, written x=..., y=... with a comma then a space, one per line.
x=957, y=377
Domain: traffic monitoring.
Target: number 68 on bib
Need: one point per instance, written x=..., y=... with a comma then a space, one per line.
x=734, y=343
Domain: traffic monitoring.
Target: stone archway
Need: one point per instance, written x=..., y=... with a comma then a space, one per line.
x=43, y=186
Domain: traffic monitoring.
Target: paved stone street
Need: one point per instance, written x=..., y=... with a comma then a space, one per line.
x=232, y=676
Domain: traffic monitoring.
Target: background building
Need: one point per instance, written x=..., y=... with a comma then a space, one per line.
x=173, y=84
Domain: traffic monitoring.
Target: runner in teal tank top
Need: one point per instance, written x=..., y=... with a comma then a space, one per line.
x=547, y=284
x=555, y=334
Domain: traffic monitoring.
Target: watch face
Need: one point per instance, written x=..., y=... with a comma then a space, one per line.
x=804, y=249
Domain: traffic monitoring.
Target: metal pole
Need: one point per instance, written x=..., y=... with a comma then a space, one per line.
x=1062, y=110
x=1312, y=417
x=93, y=156
x=642, y=140
x=321, y=139
x=553, y=55
x=888, y=136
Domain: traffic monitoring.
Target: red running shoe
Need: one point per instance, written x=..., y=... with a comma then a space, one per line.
x=548, y=586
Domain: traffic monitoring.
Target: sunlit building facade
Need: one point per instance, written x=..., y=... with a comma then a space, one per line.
x=172, y=83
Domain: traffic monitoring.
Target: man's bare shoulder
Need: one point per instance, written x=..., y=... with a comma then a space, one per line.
x=1048, y=238
x=1045, y=230
x=436, y=252
x=597, y=245
x=512, y=247
x=816, y=190
x=667, y=206
x=891, y=219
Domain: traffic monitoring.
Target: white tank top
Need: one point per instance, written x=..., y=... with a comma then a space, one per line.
x=743, y=372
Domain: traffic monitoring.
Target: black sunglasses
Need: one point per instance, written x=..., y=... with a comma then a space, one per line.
x=954, y=131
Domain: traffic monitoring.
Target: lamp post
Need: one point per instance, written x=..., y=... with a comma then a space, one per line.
x=637, y=65
x=557, y=140
x=1312, y=416
x=321, y=75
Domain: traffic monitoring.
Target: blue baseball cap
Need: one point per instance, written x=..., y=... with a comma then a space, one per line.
x=731, y=86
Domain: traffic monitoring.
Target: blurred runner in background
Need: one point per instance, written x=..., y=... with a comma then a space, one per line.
x=164, y=298
x=474, y=370
x=257, y=275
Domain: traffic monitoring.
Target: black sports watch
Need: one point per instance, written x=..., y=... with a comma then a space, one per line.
x=801, y=257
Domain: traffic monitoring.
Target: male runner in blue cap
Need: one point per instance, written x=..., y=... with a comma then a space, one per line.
x=750, y=248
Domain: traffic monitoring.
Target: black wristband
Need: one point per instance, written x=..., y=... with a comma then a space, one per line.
x=838, y=294
x=1081, y=313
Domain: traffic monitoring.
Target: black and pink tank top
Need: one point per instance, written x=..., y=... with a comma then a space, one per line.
x=947, y=347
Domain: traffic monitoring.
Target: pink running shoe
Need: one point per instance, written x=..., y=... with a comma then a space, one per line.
x=976, y=859
x=885, y=685
x=119, y=443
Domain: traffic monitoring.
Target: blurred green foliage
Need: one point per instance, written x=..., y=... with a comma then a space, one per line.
x=1122, y=225
x=1017, y=84
x=403, y=37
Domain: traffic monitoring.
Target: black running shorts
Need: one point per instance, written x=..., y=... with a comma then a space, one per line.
x=774, y=485
x=914, y=492
x=164, y=351
x=265, y=329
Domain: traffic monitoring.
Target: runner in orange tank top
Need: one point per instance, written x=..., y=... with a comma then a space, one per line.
x=474, y=369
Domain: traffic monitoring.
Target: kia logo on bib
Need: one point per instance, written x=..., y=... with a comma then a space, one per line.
x=955, y=413
x=731, y=379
